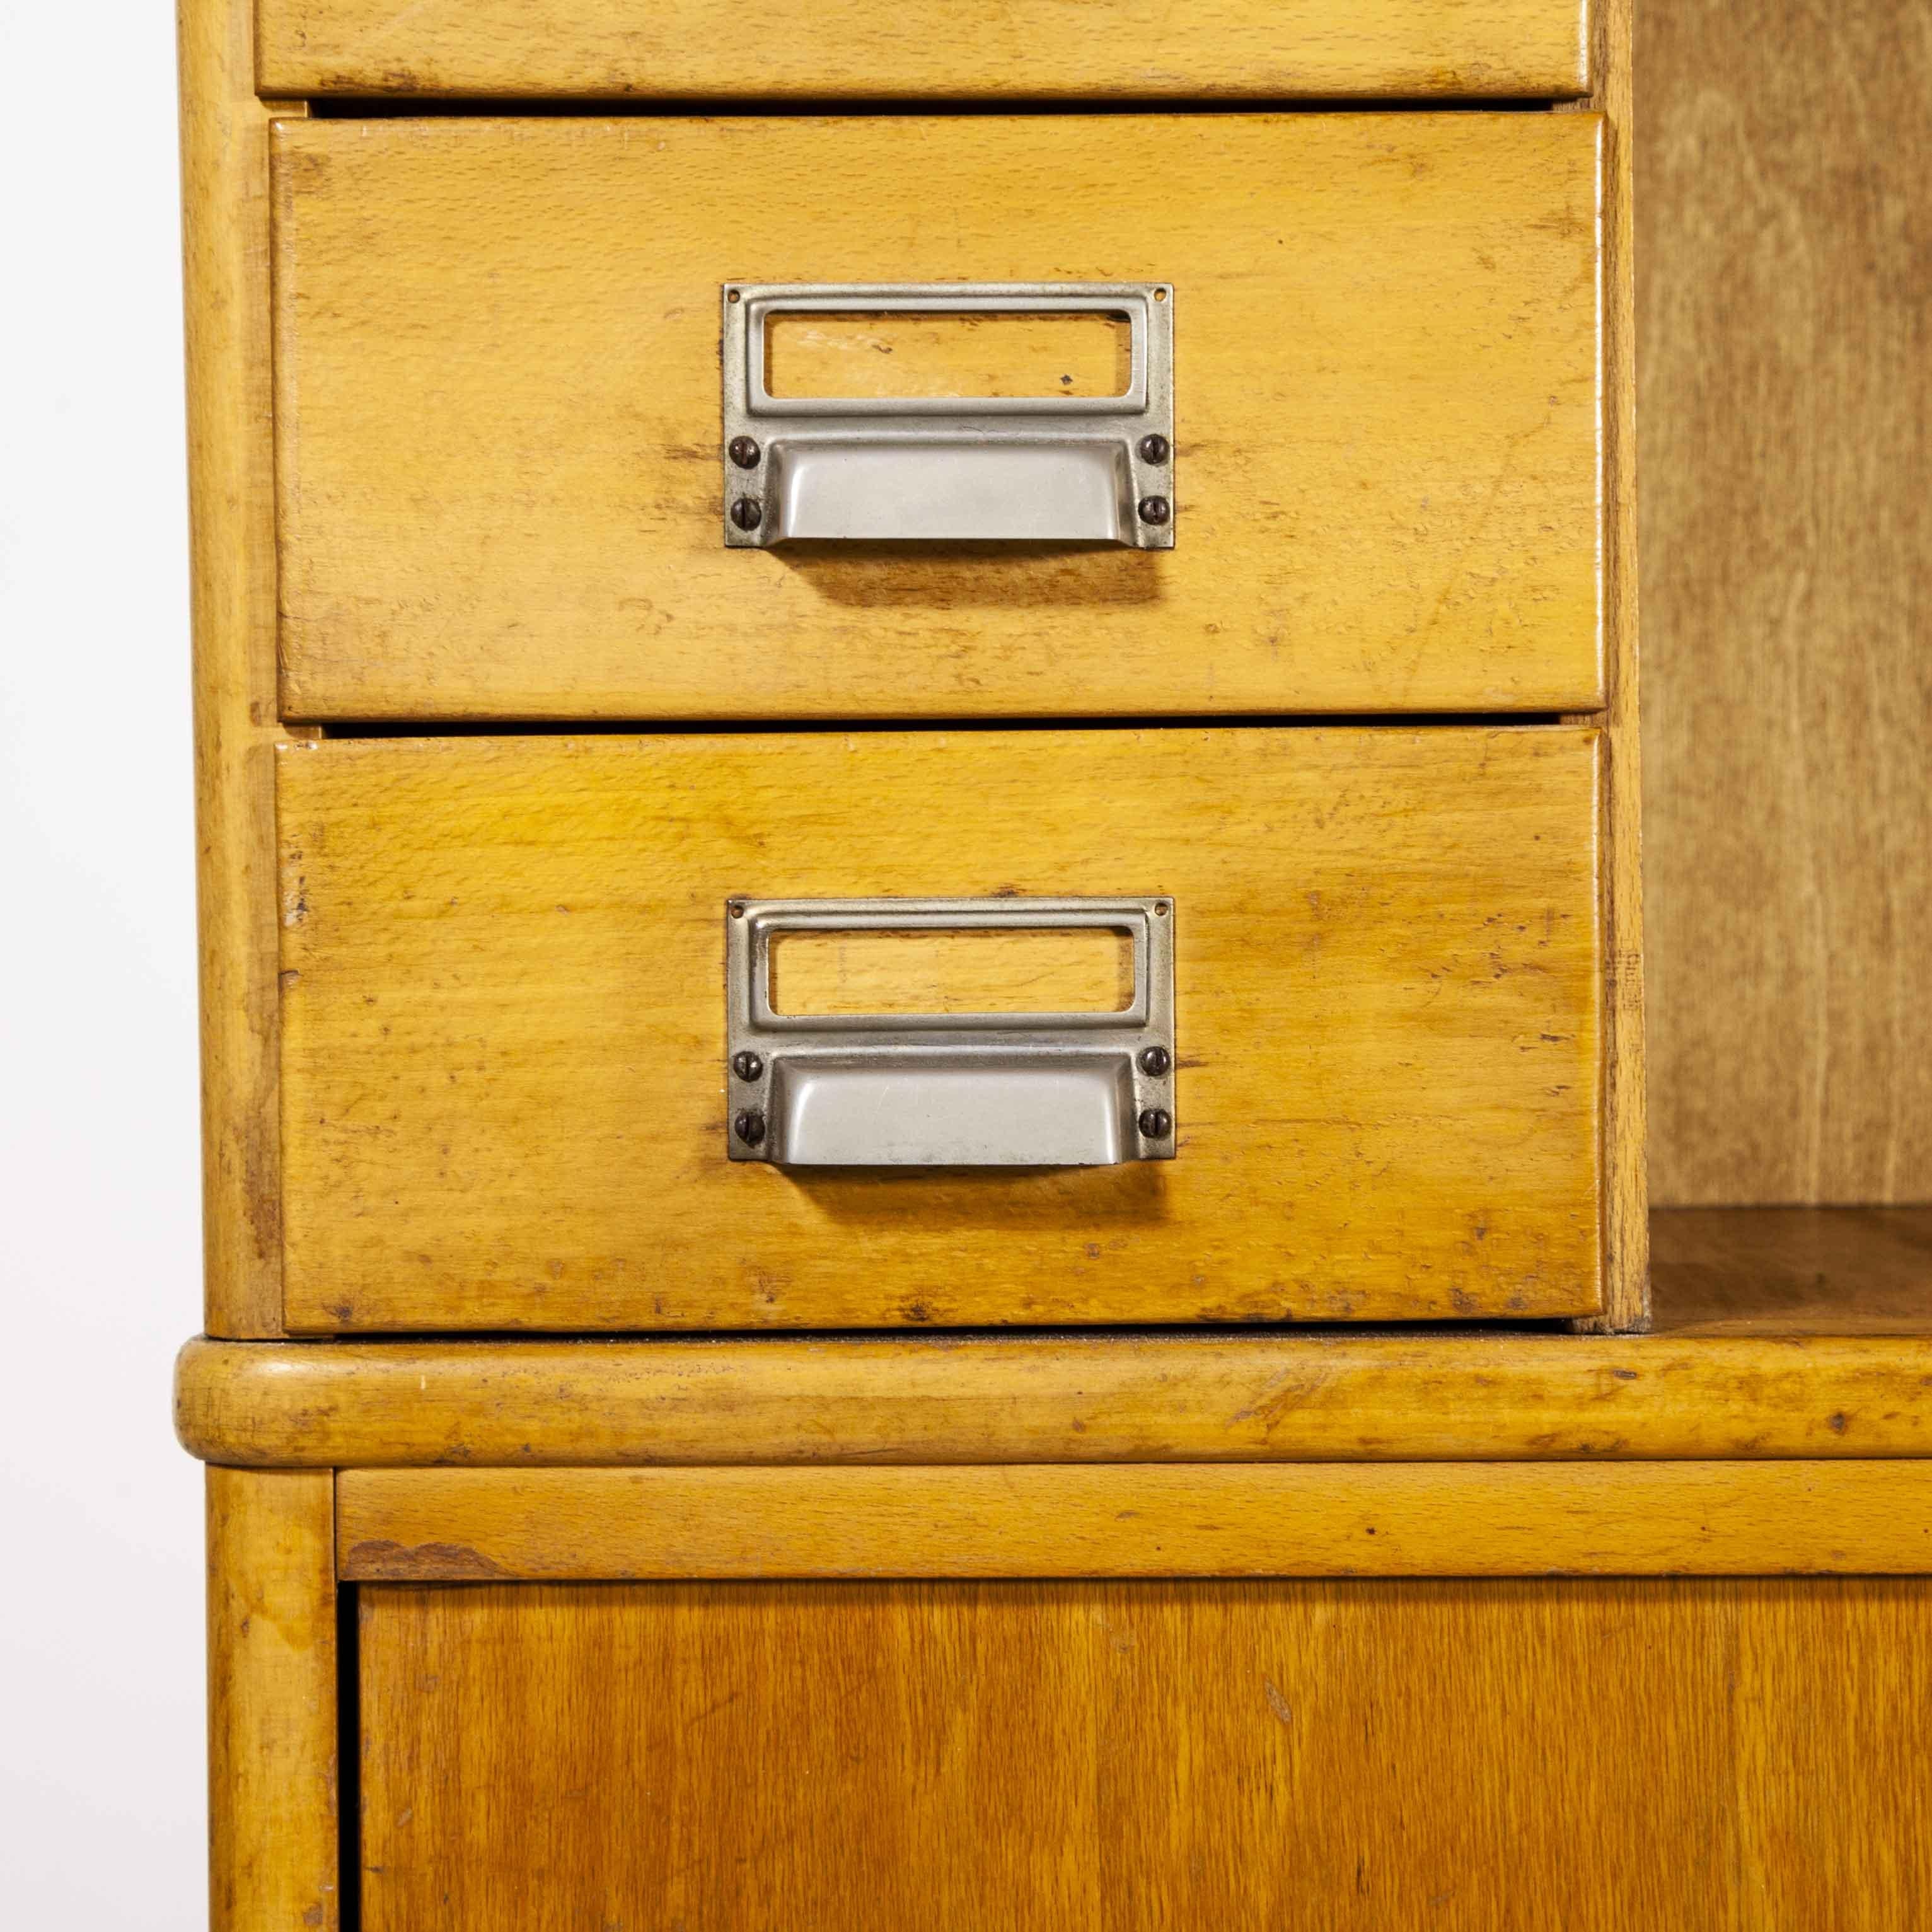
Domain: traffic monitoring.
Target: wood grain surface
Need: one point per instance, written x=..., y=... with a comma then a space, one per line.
x=497, y=416
x=1626, y=1196
x=860, y=354
x=1777, y=1271
x=1076, y=970
x=1785, y=278
x=1161, y=1398
x=1738, y=1518
x=224, y=155
x=1312, y=1757
x=1050, y=48
x=271, y=1712
x=503, y=1032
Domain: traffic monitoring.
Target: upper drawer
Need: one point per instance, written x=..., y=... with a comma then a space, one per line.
x=501, y=468
x=830, y=49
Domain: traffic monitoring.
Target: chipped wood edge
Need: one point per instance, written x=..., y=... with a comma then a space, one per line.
x=273, y=1842
x=989, y=1400
x=231, y=497
x=1626, y=1308
x=1137, y=1520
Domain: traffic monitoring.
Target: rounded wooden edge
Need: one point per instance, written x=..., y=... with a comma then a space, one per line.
x=934, y=1400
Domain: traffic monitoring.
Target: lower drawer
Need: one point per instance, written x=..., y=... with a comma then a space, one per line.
x=506, y=1098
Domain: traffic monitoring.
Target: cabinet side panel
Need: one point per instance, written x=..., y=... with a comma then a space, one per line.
x=225, y=228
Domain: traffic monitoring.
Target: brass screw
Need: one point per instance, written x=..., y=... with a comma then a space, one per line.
x=1153, y=449
x=750, y=1127
x=1155, y=1060
x=1156, y=1123
x=747, y=513
x=749, y=1066
x=745, y=452
x=1155, y=509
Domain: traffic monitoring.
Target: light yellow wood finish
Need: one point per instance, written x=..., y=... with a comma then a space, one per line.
x=500, y=482
x=1626, y=1196
x=1127, y=1520
x=1786, y=297
x=503, y=1040
x=231, y=476
x=271, y=1728
x=914, y=1400
x=1289, y=1757
x=1018, y=972
x=948, y=355
x=834, y=49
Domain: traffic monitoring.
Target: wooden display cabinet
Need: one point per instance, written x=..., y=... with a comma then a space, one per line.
x=1618, y=1621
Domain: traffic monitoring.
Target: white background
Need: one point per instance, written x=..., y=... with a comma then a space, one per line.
x=102, y=1752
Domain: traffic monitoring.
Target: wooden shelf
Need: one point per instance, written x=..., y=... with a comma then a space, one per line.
x=1791, y=1271
x=1781, y=1333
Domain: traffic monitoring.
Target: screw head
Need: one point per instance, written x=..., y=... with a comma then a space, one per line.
x=747, y=513
x=1155, y=509
x=748, y=1067
x=1155, y=1060
x=744, y=452
x=1153, y=449
x=1156, y=1123
x=749, y=1126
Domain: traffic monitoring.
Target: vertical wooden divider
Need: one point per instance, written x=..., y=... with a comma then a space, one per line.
x=1626, y=1192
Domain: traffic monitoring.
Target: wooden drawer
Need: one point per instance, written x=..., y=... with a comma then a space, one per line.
x=829, y=49
x=500, y=468
x=505, y=1094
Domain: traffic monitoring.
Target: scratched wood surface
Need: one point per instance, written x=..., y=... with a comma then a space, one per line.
x=1325, y=1756
x=1786, y=286
x=1626, y=1200
x=859, y=355
x=497, y=416
x=232, y=578
x=1261, y=49
x=1781, y=1332
x=503, y=1027
x=1741, y=1517
x=272, y=1710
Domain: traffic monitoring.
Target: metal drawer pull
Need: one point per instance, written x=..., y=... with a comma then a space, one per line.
x=948, y=1089
x=1040, y=469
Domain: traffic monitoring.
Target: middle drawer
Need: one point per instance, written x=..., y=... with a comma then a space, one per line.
x=501, y=463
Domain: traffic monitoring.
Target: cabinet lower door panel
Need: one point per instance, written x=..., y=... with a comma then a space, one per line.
x=885, y=1757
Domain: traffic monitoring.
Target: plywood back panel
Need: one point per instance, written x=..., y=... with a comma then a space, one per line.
x=1785, y=290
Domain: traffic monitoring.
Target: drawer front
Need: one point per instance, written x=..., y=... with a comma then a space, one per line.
x=832, y=49
x=506, y=1100
x=500, y=469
